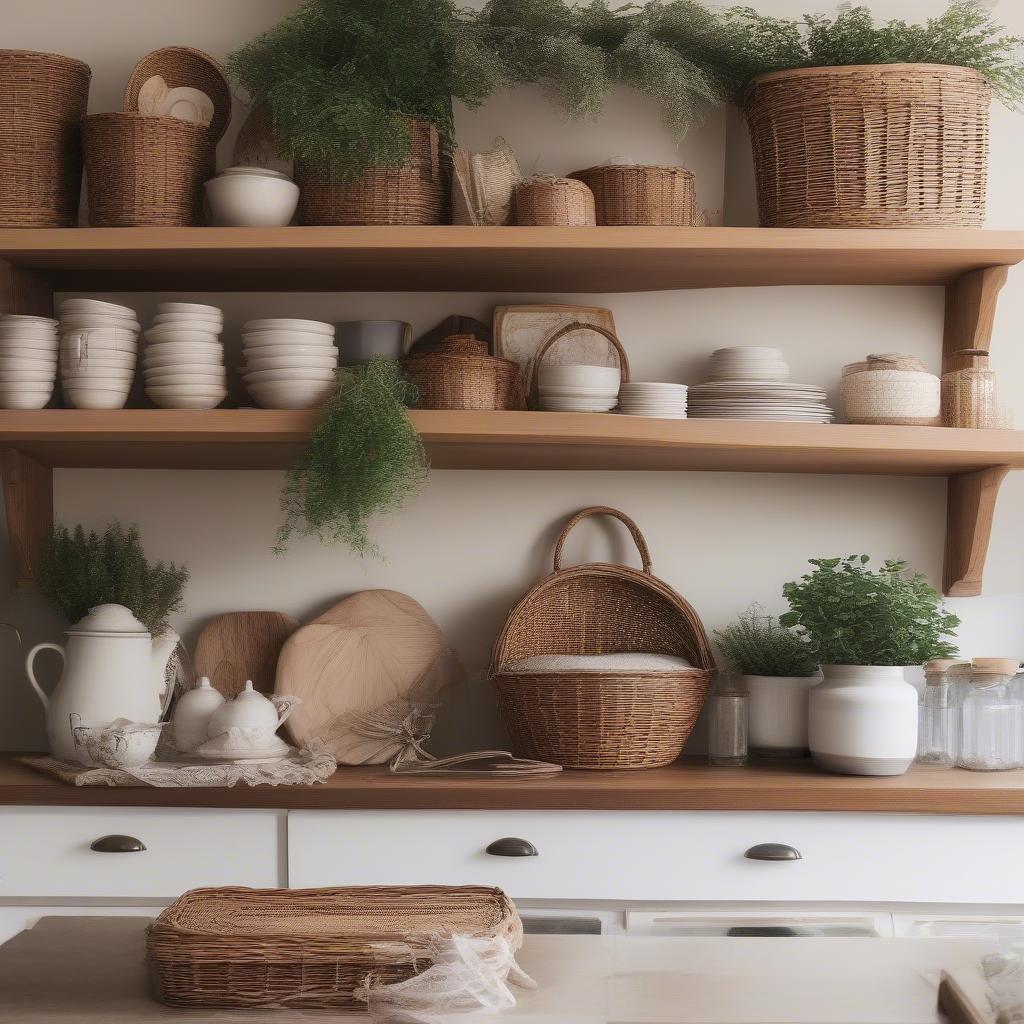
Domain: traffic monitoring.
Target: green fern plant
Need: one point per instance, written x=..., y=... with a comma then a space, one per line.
x=757, y=645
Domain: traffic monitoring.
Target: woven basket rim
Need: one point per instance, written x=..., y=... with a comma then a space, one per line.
x=187, y=127
x=635, y=168
x=72, y=62
x=840, y=70
x=488, y=360
x=626, y=676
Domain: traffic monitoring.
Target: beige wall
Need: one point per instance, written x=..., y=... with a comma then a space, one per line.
x=473, y=542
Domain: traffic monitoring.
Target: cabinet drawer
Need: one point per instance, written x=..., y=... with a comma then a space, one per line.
x=46, y=852
x=641, y=855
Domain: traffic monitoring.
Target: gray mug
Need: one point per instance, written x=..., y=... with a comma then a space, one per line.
x=359, y=341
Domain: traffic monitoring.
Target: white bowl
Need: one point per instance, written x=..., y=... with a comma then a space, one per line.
x=217, y=391
x=190, y=379
x=184, y=349
x=20, y=329
x=188, y=321
x=296, y=373
x=18, y=397
x=291, y=394
x=278, y=324
x=94, y=374
x=82, y=305
x=261, y=339
x=27, y=377
x=27, y=318
x=81, y=321
x=105, y=338
x=290, y=361
x=289, y=351
x=112, y=381
x=10, y=363
x=182, y=359
x=93, y=397
x=189, y=308
x=32, y=358
x=185, y=402
x=171, y=332
x=266, y=172
x=44, y=346
x=251, y=200
x=579, y=375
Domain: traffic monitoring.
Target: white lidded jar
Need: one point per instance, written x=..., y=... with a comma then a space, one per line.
x=777, y=714
x=192, y=715
x=862, y=720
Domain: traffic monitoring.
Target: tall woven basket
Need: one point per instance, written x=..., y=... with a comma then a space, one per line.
x=43, y=98
x=876, y=146
x=642, y=195
x=604, y=720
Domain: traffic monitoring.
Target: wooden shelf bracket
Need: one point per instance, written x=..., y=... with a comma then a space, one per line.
x=970, y=506
x=971, y=310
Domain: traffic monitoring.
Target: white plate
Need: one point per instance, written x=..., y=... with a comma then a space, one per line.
x=652, y=387
x=186, y=104
x=189, y=307
x=281, y=324
x=83, y=305
x=272, y=339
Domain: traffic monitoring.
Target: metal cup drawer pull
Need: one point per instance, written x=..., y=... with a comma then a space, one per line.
x=512, y=847
x=118, y=844
x=772, y=851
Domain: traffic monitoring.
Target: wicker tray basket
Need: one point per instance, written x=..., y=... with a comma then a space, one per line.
x=43, y=98
x=602, y=720
x=547, y=201
x=642, y=195
x=459, y=374
x=309, y=948
x=878, y=146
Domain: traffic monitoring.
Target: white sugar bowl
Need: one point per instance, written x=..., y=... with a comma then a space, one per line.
x=249, y=710
x=192, y=715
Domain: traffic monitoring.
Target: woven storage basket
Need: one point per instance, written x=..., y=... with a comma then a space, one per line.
x=43, y=98
x=410, y=194
x=879, y=146
x=146, y=171
x=309, y=948
x=459, y=374
x=642, y=195
x=608, y=719
x=891, y=389
x=577, y=325
x=547, y=201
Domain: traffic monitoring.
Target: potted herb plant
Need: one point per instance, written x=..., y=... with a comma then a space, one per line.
x=865, y=627
x=777, y=668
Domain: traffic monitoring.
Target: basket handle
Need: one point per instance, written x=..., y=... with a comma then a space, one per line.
x=604, y=510
x=578, y=325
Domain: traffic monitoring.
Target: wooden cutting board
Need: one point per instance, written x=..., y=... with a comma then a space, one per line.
x=243, y=645
x=373, y=654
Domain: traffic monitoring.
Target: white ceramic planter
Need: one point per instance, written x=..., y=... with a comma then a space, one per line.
x=862, y=720
x=777, y=714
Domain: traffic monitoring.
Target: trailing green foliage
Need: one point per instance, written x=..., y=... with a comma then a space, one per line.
x=757, y=645
x=79, y=571
x=854, y=616
x=364, y=458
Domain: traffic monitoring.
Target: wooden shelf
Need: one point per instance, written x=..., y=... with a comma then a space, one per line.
x=688, y=785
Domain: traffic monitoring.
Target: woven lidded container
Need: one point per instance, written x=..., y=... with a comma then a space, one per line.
x=410, y=194
x=874, y=146
x=310, y=948
x=43, y=98
x=642, y=195
x=459, y=374
x=601, y=719
x=893, y=389
x=547, y=201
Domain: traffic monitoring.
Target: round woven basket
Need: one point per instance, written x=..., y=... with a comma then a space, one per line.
x=606, y=720
x=146, y=171
x=410, y=194
x=877, y=146
x=547, y=201
x=642, y=195
x=891, y=389
x=43, y=98
x=459, y=374
x=576, y=325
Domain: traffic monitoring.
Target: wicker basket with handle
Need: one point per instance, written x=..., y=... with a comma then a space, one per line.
x=577, y=325
x=640, y=195
x=310, y=948
x=601, y=719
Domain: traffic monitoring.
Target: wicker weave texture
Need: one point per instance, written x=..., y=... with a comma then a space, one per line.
x=459, y=374
x=642, y=195
x=146, y=171
x=882, y=146
x=309, y=948
x=602, y=720
x=546, y=201
x=43, y=98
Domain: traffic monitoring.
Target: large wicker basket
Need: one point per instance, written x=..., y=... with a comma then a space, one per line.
x=642, y=195
x=879, y=146
x=309, y=948
x=610, y=719
x=459, y=374
x=43, y=98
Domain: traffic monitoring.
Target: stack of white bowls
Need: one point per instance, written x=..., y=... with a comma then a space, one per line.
x=28, y=361
x=747, y=362
x=184, y=360
x=99, y=343
x=572, y=387
x=643, y=398
x=289, y=364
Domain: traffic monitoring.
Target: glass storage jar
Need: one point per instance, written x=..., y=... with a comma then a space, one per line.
x=727, y=725
x=992, y=718
x=939, y=712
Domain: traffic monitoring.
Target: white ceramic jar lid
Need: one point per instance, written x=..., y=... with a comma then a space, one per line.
x=110, y=619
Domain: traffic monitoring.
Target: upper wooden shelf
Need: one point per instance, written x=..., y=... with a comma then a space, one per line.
x=603, y=259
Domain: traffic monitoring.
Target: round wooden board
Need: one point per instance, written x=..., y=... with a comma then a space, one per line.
x=242, y=645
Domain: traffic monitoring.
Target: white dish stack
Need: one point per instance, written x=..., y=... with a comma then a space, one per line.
x=573, y=387
x=184, y=361
x=28, y=361
x=289, y=364
x=99, y=345
x=663, y=401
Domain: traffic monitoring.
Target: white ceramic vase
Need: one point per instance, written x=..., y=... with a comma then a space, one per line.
x=862, y=720
x=777, y=714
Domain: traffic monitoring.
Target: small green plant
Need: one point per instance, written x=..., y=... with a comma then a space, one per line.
x=79, y=571
x=757, y=645
x=364, y=458
x=852, y=615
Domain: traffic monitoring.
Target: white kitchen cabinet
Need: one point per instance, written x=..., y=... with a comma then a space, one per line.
x=16, y=919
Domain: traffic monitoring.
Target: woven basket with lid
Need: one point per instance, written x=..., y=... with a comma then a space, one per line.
x=602, y=719
x=640, y=195
x=459, y=374
x=547, y=201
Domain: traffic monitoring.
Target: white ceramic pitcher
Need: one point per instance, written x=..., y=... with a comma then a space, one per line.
x=112, y=669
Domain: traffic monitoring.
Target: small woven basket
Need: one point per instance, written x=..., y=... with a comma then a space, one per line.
x=891, y=389
x=410, y=194
x=43, y=98
x=459, y=374
x=605, y=720
x=874, y=146
x=642, y=195
x=547, y=201
x=310, y=948
x=576, y=325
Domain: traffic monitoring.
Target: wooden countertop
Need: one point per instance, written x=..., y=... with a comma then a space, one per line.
x=688, y=785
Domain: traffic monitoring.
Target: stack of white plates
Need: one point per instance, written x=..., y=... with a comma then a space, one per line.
x=28, y=361
x=289, y=364
x=747, y=362
x=642, y=398
x=759, y=400
x=573, y=387
x=99, y=343
x=184, y=361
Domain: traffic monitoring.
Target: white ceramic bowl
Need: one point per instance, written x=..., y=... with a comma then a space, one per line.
x=173, y=333
x=184, y=349
x=579, y=375
x=187, y=391
x=27, y=318
x=16, y=329
x=289, y=351
x=297, y=373
x=291, y=394
x=43, y=346
x=9, y=363
x=183, y=359
x=106, y=338
x=82, y=305
x=289, y=362
x=93, y=397
x=266, y=172
x=189, y=379
x=260, y=339
x=81, y=321
x=95, y=374
x=188, y=322
x=251, y=200
x=26, y=377
x=31, y=358
x=279, y=324
x=21, y=397
x=185, y=402
x=187, y=308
